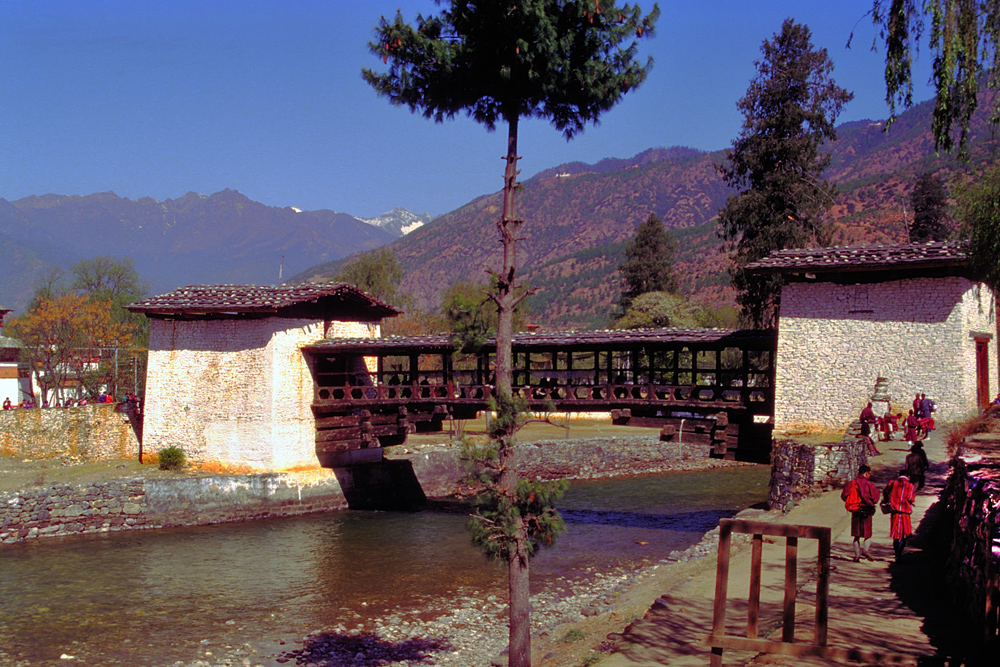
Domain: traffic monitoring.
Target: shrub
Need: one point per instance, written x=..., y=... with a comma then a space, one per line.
x=574, y=635
x=171, y=458
x=981, y=423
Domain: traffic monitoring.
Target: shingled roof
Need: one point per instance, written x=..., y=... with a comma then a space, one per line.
x=840, y=259
x=562, y=340
x=254, y=300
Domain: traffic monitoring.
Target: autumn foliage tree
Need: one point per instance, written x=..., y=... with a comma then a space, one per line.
x=58, y=337
x=498, y=62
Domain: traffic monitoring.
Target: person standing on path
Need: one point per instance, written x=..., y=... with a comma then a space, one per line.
x=860, y=497
x=917, y=464
x=900, y=495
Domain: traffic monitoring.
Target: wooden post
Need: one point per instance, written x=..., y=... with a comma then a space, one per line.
x=791, y=577
x=721, y=591
x=753, y=606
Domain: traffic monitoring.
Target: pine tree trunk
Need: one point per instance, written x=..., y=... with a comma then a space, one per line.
x=519, y=649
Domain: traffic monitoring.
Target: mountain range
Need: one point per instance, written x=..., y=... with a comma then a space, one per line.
x=220, y=238
x=578, y=218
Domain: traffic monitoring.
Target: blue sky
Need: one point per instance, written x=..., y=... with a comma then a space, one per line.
x=156, y=98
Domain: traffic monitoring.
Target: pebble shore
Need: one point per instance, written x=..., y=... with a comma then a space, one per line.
x=462, y=632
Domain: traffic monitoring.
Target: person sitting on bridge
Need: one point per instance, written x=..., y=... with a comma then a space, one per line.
x=6, y=403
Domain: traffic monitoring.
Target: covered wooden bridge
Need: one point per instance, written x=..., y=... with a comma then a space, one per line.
x=699, y=386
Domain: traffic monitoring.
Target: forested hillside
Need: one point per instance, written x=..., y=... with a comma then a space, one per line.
x=578, y=218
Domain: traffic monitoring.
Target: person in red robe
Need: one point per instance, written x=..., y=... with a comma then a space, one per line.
x=863, y=493
x=900, y=494
x=910, y=425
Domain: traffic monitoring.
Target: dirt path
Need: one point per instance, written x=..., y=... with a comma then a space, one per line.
x=888, y=607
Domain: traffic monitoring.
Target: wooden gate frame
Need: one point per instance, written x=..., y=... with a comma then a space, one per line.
x=718, y=640
x=792, y=533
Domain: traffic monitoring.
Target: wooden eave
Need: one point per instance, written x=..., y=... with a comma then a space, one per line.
x=866, y=274
x=705, y=339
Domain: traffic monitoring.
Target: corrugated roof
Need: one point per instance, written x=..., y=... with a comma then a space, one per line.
x=220, y=299
x=864, y=258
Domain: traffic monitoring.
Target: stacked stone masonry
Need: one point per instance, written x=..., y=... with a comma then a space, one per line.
x=136, y=504
x=97, y=432
x=972, y=566
x=798, y=470
x=834, y=341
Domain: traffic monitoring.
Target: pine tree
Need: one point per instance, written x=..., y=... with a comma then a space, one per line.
x=649, y=263
x=500, y=61
x=930, y=210
x=776, y=164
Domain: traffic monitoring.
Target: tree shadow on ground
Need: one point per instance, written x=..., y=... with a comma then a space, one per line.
x=917, y=579
x=365, y=650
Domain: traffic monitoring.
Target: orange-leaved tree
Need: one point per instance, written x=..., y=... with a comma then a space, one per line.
x=59, y=338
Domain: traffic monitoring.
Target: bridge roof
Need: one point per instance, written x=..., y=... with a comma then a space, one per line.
x=323, y=301
x=562, y=340
x=943, y=255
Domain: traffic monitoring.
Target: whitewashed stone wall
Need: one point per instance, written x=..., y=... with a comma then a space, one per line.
x=236, y=394
x=835, y=340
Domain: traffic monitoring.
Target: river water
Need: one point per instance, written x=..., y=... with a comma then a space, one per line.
x=153, y=597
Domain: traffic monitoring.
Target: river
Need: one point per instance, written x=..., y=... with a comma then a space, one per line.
x=157, y=597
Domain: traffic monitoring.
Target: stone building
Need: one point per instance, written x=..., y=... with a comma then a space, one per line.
x=227, y=381
x=911, y=314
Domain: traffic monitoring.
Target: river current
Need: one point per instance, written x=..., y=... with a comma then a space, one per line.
x=152, y=597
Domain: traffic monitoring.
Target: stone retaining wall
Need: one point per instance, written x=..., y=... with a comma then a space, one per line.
x=798, y=470
x=404, y=479
x=972, y=566
x=135, y=504
x=97, y=432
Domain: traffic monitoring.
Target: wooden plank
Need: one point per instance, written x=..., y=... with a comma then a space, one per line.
x=339, y=421
x=340, y=446
x=335, y=434
x=775, y=529
x=753, y=605
x=823, y=590
x=721, y=592
x=791, y=577
x=812, y=650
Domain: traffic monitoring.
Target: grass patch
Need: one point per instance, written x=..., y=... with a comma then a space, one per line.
x=983, y=423
x=574, y=635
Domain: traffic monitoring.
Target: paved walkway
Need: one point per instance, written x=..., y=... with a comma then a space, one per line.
x=884, y=606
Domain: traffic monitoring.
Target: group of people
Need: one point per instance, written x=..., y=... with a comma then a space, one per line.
x=862, y=498
x=916, y=425
x=70, y=402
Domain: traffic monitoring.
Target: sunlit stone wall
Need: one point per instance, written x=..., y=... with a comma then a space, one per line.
x=835, y=340
x=236, y=394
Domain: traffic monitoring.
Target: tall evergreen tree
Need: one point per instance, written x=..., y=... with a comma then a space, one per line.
x=930, y=210
x=788, y=113
x=965, y=42
x=500, y=61
x=649, y=262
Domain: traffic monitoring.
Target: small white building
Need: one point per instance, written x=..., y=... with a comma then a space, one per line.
x=911, y=314
x=227, y=381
